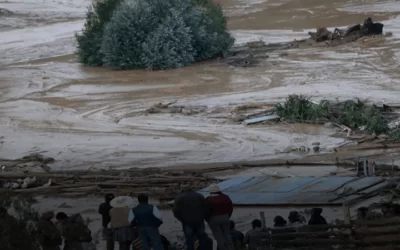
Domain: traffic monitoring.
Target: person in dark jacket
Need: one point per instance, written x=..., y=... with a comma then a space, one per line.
x=104, y=210
x=295, y=219
x=49, y=236
x=237, y=236
x=316, y=217
x=148, y=219
x=279, y=221
x=191, y=209
x=165, y=242
x=221, y=211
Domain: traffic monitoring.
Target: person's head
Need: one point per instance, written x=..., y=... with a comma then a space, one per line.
x=61, y=216
x=362, y=213
x=256, y=224
x=3, y=212
x=143, y=199
x=232, y=224
x=279, y=221
x=214, y=189
x=108, y=198
x=316, y=211
x=294, y=216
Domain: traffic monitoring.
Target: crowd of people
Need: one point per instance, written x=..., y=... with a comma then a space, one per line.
x=123, y=222
x=134, y=224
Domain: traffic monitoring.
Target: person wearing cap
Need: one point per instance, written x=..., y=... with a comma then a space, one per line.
x=122, y=230
x=221, y=211
x=49, y=236
x=148, y=219
x=191, y=209
x=104, y=210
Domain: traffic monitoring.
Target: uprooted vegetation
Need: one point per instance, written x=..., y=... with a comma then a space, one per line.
x=353, y=114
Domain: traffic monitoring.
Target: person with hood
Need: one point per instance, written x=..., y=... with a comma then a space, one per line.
x=104, y=210
x=123, y=231
x=221, y=211
x=147, y=219
x=316, y=217
x=295, y=219
x=191, y=209
x=49, y=236
x=279, y=221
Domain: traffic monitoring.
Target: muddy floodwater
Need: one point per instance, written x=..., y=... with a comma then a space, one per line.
x=86, y=117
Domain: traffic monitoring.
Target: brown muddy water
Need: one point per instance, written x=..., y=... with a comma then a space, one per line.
x=92, y=117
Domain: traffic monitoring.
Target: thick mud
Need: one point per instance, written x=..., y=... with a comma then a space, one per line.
x=81, y=117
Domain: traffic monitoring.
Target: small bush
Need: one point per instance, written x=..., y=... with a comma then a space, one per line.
x=162, y=34
x=89, y=42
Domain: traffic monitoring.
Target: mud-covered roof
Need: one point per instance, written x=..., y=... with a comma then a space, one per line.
x=301, y=191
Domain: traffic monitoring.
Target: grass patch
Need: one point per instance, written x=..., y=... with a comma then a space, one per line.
x=353, y=114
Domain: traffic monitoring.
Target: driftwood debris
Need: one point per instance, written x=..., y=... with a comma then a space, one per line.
x=166, y=184
x=350, y=34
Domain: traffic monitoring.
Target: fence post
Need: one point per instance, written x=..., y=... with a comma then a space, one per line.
x=346, y=212
x=262, y=216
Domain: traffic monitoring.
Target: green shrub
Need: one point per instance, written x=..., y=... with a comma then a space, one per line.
x=90, y=40
x=353, y=114
x=162, y=34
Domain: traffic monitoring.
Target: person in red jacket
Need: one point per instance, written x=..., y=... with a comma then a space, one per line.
x=221, y=211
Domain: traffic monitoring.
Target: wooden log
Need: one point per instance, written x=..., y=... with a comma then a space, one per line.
x=365, y=231
x=313, y=234
x=311, y=242
x=381, y=240
x=262, y=217
x=346, y=212
x=378, y=222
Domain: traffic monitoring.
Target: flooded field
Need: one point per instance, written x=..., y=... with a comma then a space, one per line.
x=88, y=116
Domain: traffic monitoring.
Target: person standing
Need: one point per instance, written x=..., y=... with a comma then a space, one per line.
x=104, y=210
x=49, y=236
x=123, y=231
x=147, y=219
x=191, y=209
x=221, y=211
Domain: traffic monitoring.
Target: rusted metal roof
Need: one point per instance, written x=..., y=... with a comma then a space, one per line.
x=302, y=191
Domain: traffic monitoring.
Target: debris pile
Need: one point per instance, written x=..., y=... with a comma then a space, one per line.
x=156, y=183
x=352, y=33
x=175, y=109
x=348, y=115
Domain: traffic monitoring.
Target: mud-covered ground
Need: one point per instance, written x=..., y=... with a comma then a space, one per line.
x=82, y=117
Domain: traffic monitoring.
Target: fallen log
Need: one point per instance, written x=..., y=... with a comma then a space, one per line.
x=381, y=240
x=311, y=242
x=366, y=231
x=378, y=222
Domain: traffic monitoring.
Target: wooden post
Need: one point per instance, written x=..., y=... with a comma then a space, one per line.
x=262, y=216
x=346, y=212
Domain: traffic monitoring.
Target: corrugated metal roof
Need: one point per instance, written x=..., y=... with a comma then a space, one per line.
x=299, y=190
